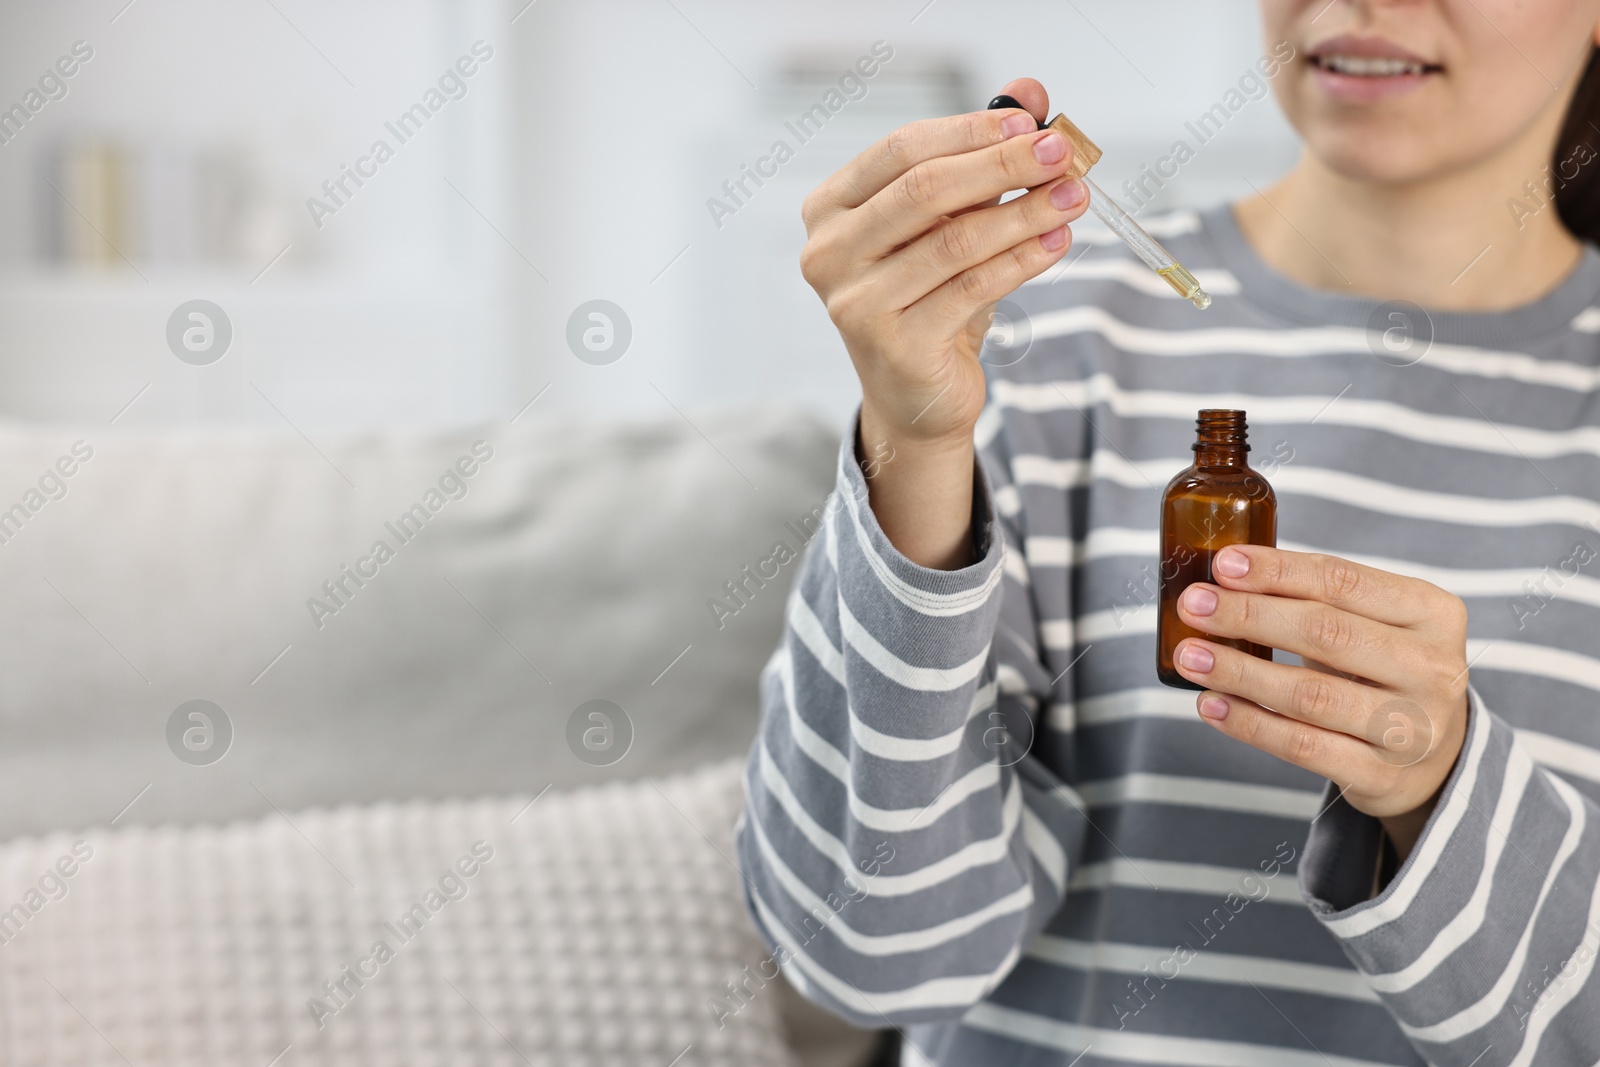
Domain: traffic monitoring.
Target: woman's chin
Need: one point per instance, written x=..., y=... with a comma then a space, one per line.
x=1374, y=156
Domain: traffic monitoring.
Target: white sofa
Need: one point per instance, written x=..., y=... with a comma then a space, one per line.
x=391, y=710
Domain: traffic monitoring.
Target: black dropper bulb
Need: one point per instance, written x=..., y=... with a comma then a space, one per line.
x=1009, y=101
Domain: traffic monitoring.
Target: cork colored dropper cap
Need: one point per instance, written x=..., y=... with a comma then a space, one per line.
x=1085, y=153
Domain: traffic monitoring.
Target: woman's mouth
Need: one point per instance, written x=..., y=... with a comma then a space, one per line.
x=1365, y=69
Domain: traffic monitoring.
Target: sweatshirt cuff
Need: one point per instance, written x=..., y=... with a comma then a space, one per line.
x=1342, y=849
x=988, y=543
x=1471, y=946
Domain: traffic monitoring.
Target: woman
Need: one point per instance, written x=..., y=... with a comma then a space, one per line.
x=1121, y=893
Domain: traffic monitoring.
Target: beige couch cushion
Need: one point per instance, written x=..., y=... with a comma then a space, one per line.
x=578, y=566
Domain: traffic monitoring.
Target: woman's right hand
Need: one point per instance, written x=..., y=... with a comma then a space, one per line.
x=909, y=248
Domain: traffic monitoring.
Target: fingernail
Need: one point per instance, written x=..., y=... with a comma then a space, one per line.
x=1053, y=240
x=1214, y=708
x=1050, y=148
x=1197, y=658
x=1199, y=600
x=1068, y=194
x=1231, y=564
x=1012, y=125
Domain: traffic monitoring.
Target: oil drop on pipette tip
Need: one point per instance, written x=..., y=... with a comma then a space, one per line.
x=1186, y=286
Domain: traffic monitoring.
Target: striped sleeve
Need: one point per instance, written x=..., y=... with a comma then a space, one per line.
x=899, y=846
x=1483, y=945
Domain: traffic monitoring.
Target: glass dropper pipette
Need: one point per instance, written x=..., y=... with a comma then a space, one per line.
x=1110, y=212
x=1144, y=246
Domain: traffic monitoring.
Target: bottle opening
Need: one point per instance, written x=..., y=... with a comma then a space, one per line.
x=1221, y=428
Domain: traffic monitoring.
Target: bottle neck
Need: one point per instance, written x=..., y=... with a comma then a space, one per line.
x=1227, y=456
x=1221, y=439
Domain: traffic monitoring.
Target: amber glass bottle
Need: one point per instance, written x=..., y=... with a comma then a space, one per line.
x=1217, y=502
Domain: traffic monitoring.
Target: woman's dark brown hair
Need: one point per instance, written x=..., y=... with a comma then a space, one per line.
x=1578, y=197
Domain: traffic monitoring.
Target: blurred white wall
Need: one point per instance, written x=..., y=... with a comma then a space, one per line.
x=393, y=310
x=577, y=168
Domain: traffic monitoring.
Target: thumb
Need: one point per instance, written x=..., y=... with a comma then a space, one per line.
x=1030, y=94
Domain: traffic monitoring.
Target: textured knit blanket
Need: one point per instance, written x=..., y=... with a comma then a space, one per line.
x=601, y=927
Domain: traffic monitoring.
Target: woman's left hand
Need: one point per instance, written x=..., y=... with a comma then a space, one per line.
x=1381, y=707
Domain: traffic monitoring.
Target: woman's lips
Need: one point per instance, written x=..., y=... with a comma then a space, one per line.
x=1364, y=89
x=1365, y=69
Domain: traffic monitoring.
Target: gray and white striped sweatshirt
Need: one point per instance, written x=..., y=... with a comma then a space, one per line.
x=1115, y=883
